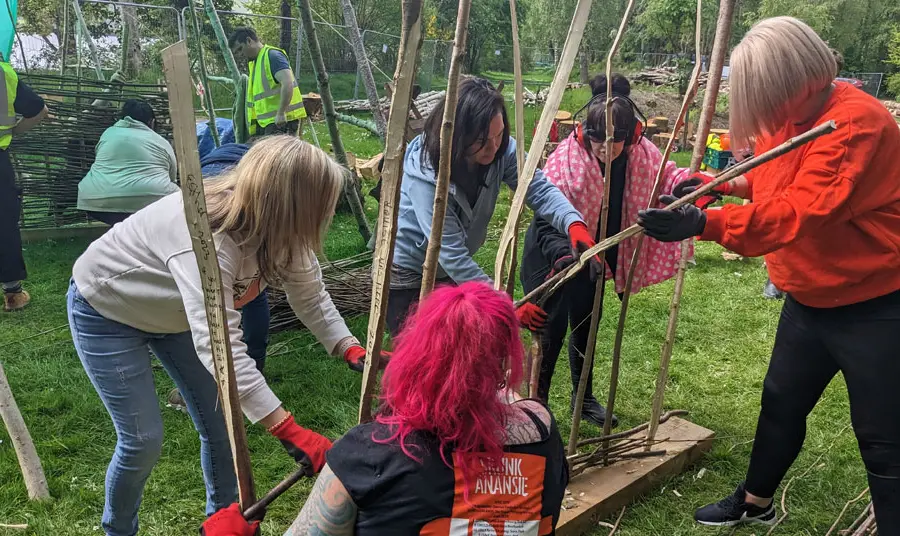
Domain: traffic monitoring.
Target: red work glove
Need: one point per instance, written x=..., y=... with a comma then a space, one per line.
x=698, y=180
x=229, y=522
x=531, y=317
x=307, y=447
x=355, y=356
x=581, y=241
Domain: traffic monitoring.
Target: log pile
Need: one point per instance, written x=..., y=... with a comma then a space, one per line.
x=348, y=282
x=663, y=76
x=425, y=102
x=893, y=107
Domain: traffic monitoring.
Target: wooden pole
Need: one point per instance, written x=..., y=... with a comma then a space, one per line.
x=204, y=77
x=32, y=472
x=550, y=286
x=239, y=81
x=395, y=147
x=601, y=280
x=519, y=91
x=433, y=252
x=86, y=35
x=337, y=145
x=551, y=106
x=720, y=45
x=178, y=82
x=363, y=65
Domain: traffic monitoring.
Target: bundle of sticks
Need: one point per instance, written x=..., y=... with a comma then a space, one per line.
x=51, y=159
x=425, y=103
x=348, y=282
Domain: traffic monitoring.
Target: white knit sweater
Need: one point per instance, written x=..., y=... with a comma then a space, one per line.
x=143, y=273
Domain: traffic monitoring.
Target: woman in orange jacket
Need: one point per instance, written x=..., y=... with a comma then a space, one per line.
x=827, y=218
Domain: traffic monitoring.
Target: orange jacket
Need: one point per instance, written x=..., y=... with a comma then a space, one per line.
x=826, y=215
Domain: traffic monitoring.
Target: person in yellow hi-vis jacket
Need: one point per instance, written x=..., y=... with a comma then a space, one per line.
x=274, y=101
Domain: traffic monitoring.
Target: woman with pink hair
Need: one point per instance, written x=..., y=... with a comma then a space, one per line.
x=452, y=450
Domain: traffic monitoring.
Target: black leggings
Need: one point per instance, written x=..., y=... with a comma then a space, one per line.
x=12, y=263
x=862, y=341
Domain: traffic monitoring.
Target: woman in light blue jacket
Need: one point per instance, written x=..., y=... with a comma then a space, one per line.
x=484, y=156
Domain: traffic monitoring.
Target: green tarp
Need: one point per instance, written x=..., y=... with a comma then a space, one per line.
x=7, y=26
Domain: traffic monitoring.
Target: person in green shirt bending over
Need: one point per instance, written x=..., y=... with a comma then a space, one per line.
x=274, y=101
x=134, y=167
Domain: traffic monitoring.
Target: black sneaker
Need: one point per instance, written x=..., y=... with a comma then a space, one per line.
x=732, y=510
x=593, y=412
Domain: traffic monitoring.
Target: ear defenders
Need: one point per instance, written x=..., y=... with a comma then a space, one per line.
x=640, y=119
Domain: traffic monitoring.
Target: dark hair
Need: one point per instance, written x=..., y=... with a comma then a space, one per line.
x=478, y=103
x=240, y=35
x=138, y=110
x=623, y=111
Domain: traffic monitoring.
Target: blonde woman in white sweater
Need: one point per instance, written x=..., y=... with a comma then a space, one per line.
x=137, y=289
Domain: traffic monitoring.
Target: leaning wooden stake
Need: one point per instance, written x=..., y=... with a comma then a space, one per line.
x=363, y=65
x=81, y=26
x=32, y=472
x=520, y=139
x=551, y=285
x=601, y=279
x=720, y=44
x=181, y=109
x=386, y=233
x=433, y=252
x=337, y=145
x=551, y=106
x=239, y=81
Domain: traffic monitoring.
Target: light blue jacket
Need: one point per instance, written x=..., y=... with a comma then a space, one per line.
x=465, y=226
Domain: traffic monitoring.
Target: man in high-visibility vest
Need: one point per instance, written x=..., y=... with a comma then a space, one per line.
x=274, y=102
x=16, y=99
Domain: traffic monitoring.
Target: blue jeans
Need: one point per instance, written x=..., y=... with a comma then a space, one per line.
x=255, y=324
x=117, y=360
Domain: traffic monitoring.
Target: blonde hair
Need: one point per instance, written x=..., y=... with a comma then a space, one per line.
x=280, y=197
x=780, y=62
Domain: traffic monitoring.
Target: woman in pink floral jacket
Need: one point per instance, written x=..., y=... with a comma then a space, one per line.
x=577, y=168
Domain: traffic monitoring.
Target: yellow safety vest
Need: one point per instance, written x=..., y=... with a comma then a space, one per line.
x=264, y=94
x=7, y=103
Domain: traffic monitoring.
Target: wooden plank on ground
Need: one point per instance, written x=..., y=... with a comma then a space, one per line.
x=601, y=492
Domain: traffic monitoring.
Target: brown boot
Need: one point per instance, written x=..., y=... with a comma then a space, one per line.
x=15, y=301
x=175, y=400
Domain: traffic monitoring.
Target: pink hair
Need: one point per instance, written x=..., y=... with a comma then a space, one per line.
x=448, y=364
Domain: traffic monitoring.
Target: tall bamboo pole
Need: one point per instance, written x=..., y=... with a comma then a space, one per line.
x=551, y=106
x=178, y=82
x=395, y=147
x=239, y=81
x=337, y=145
x=520, y=145
x=551, y=285
x=433, y=252
x=601, y=280
x=204, y=77
x=720, y=45
x=81, y=26
x=32, y=472
x=363, y=65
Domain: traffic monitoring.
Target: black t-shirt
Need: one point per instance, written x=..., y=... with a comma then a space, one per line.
x=28, y=103
x=400, y=496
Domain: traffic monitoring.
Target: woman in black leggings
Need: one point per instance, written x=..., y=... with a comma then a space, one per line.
x=827, y=218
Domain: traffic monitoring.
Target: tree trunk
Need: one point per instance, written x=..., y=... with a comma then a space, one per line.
x=35, y=482
x=131, y=63
x=584, y=67
x=354, y=199
x=362, y=64
x=286, y=35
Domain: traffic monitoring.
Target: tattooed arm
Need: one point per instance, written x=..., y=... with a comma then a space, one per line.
x=329, y=510
x=520, y=429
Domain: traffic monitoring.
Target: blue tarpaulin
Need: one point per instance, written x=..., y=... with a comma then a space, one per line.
x=205, y=143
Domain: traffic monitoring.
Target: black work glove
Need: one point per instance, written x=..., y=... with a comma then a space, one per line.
x=561, y=264
x=672, y=225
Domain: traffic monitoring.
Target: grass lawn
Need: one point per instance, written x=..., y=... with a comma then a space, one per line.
x=725, y=335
